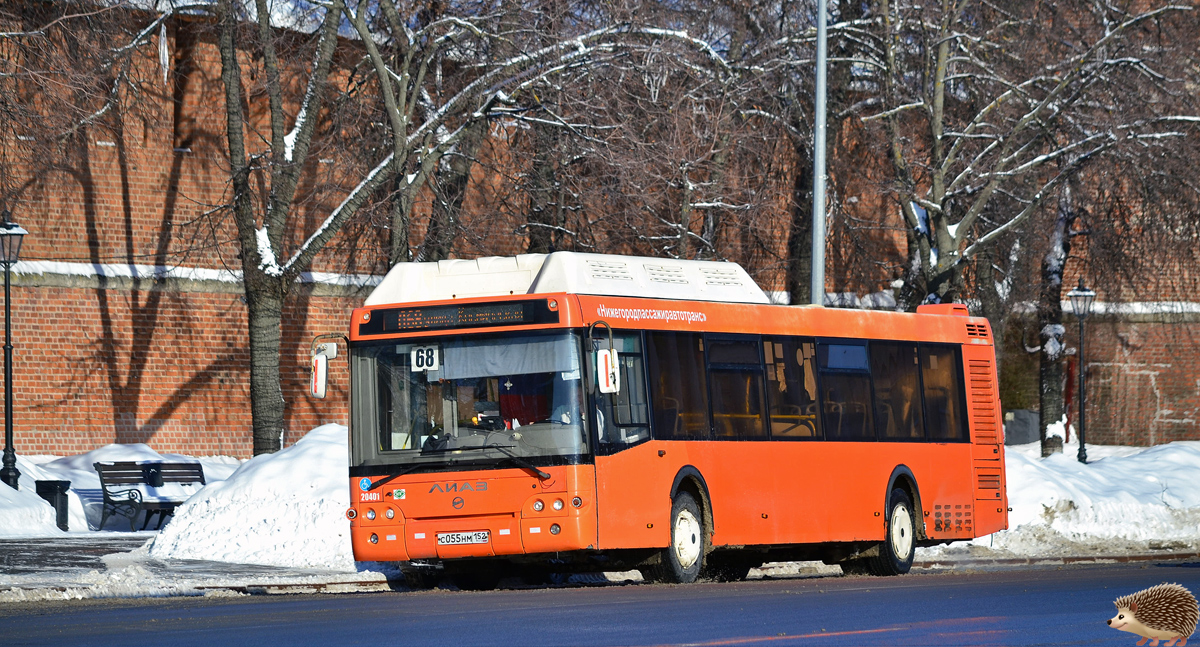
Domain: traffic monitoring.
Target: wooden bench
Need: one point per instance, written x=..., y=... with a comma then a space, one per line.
x=129, y=488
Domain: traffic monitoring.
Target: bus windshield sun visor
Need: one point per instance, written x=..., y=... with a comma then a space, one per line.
x=509, y=356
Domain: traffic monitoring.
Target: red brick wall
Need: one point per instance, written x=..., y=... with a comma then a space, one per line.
x=1142, y=380
x=170, y=369
x=146, y=186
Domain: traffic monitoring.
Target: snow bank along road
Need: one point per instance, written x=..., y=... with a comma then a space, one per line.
x=1128, y=500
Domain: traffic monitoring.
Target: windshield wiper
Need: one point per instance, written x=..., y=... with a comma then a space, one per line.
x=503, y=449
x=394, y=476
x=520, y=462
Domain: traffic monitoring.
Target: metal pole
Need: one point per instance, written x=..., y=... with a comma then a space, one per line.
x=816, y=291
x=1082, y=456
x=9, y=474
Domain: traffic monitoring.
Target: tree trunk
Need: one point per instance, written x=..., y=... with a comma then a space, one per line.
x=449, y=189
x=264, y=294
x=992, y=305
x=264, y=310
x=799, y=242
x=1050, y=370
x=543, y=190
x=399, y=250
x=945, y=281
x=685, y=217
x=913, y=291
x=710, y=229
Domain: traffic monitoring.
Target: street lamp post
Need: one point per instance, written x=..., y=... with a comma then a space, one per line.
x=10, y=248
x=1082, y=299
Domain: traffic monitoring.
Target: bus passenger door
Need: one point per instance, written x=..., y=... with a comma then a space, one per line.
x=987, y=440
x=631, y=483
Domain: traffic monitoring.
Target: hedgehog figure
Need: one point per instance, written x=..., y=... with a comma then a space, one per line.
x=1163, y=612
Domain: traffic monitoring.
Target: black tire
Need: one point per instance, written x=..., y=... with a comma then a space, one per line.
x=683, y=559
x=900, y=538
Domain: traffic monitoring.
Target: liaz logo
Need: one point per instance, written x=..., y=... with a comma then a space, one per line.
x=466, y=486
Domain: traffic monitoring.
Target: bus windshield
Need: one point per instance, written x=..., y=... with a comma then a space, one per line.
x=470, y=400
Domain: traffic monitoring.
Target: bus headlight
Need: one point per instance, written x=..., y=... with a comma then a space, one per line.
x=558, y=504
x=538, y=506
x=555, y=529
x=371, y=514
x=390, y=514
x=374, y=538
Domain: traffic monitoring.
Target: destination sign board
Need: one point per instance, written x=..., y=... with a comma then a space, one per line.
x=388, y=321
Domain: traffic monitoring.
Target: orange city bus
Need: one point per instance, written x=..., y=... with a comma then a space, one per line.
x=588, y=412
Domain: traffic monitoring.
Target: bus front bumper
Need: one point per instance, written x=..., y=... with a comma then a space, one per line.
x=469, y=536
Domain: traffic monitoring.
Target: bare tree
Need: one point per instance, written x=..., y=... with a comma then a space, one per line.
x=980, y=101
x=65, y=69
x=434, y=84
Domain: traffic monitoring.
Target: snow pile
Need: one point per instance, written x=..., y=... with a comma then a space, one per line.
x=22, y=512
x=283, y=509
x=84, y=498
x=1127, y=499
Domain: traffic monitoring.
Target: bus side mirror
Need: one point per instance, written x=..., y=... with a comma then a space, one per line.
x=607, y=377
x=320, y=368
x=320, y=375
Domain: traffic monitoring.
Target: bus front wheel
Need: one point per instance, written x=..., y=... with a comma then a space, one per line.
x=899, y=545
x=682, y=560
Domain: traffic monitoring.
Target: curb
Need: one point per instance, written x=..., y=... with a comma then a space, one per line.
x=1051, y=561
x=366, y=586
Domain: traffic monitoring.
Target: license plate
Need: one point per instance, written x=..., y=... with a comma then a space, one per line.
x=457, y=538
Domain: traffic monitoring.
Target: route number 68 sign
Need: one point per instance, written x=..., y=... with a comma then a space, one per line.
x=424, y=358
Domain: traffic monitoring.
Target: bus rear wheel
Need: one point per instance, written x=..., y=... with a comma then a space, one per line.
x=682, y=560
x=899, y=544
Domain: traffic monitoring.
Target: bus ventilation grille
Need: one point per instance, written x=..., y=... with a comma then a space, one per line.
x=664, y=274
x=720, y=276
x=957, y=521
x=977, y=330
x=983, y=402
x=609, y=270
x=989, y=480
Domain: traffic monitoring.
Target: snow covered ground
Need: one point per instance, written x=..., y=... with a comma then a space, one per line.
x=1126, y=500
x=286, y=511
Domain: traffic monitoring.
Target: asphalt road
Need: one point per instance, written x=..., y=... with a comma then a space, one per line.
x=1028, y=606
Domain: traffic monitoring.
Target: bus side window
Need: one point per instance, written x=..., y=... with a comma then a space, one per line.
x=735, y=374
x=792, y=388
x=941, y=372
x=894, y=369
x=679, y=392
x=845, y=391
x=624, y=417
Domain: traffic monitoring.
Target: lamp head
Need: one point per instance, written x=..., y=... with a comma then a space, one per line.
x=11, y=235
x=1082, y=299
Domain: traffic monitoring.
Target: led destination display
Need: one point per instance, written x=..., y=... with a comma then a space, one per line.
x=509, y=313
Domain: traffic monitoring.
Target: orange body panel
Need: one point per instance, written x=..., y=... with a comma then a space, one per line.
x=775, y=492
x=764, y=492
